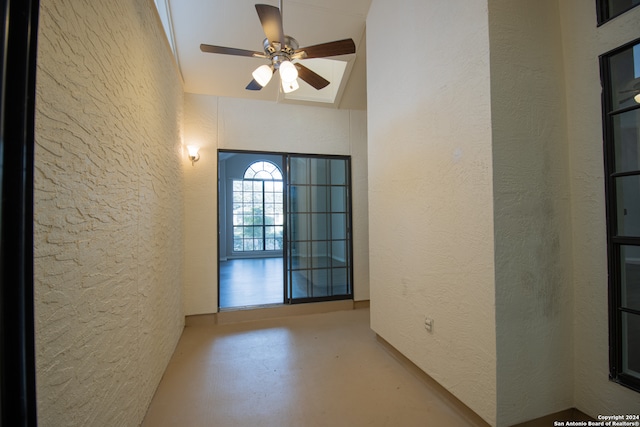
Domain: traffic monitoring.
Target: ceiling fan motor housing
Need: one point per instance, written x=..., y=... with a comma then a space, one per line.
x=277, y=53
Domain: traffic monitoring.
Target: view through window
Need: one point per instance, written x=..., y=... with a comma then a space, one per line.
x=258, y=215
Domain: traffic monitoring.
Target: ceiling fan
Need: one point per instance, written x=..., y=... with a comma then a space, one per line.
x=281, y=50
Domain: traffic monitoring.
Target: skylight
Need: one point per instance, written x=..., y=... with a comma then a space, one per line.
x=331, y=70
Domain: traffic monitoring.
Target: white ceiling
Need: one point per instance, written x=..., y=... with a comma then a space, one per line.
x=235, y=23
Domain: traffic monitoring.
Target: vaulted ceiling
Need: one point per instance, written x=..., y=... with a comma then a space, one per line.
x=235, y=23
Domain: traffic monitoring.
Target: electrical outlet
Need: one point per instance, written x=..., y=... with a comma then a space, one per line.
x=428, y=324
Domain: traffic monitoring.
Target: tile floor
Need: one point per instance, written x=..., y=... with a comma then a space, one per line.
x=306, y=370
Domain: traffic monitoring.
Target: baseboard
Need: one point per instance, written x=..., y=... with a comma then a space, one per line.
x=571, y=414
x=272, y=311
x=472, y=418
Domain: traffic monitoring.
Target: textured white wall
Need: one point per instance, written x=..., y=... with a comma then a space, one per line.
x=531, y=211
x=543, y=140
x=201, y=204
x=583, y=42
x=108, y=211
x=430, y=191
x=238, y=124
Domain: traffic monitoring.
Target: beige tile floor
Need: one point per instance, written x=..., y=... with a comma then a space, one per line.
x=307, y=370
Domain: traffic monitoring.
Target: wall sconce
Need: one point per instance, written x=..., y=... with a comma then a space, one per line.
x=194, y=156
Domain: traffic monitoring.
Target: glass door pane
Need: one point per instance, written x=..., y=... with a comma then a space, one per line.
x=318, y=250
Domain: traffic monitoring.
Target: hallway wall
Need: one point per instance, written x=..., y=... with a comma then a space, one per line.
x=108, y=211
x=532, y=211
x=487, y=200
x=238, y=124
x=430, y=191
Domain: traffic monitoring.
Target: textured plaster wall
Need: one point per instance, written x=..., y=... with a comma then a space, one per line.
x=236, y=124
x=430, y=191
x=108, y=211
x=531, y=211
x=200, y=206
x=582, y=43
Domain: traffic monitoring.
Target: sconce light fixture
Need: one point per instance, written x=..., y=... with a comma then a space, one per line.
x=194, y=156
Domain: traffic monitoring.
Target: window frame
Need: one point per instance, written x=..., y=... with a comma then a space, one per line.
x=615, y=242
x=602, y=11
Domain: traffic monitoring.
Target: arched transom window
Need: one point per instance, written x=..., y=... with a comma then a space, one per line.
x=258, y=209
x=263, y=170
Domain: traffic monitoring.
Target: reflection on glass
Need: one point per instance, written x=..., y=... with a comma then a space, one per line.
x=319, y=171
x=300, y=284
x=616, y=7
x=630, y=276
x=625, y=77
x=628, y=199
x=318, y=218
x=319, y=199
x=339, y=226
x=340, y=281
x=299, y=199
x=338, y=199
x=320, y=226
x=338, y=172
x=631, y=346
x=299, y=227
x=301, y=258
x=320, y=255
x=339, y=253
x=299, y=170
x=320, y=279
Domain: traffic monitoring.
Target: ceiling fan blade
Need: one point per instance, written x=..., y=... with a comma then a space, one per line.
x=632, y=91
x=253, y=85
x=230, y=51
x=311, y=77
x=339, y=47
x=271, y=21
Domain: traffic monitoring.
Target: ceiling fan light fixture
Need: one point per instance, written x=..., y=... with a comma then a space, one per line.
x=288, y=72
x=288, y=87
x=280, y=49
x=262, y=75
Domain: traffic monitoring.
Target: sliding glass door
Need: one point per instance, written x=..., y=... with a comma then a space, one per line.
x=318, y=229
x=285, y=229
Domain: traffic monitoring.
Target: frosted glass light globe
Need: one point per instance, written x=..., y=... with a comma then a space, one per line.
x=262, y=75
x=288, y=71
x=288, y=87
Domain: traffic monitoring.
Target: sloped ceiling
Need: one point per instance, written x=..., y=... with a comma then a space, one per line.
x=235, y=23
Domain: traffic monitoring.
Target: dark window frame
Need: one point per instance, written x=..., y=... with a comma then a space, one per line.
x=603, y=11
x=615, y=242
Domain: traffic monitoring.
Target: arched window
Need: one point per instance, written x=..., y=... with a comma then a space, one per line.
x=263, y=170
x=258, y=214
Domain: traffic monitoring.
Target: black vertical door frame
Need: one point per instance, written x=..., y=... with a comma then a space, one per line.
x=17, y=110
